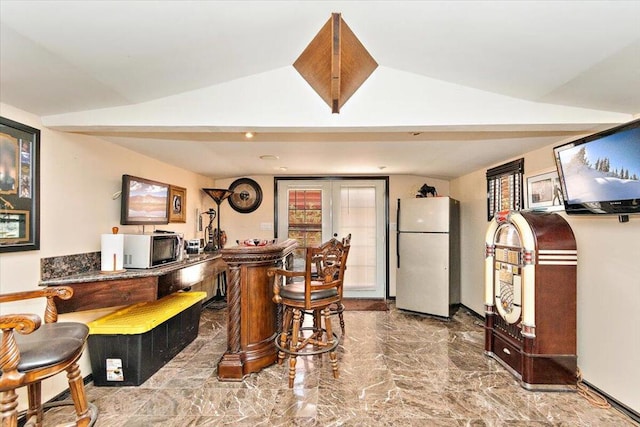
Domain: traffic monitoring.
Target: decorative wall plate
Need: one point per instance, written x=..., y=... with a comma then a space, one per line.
x=247, y=195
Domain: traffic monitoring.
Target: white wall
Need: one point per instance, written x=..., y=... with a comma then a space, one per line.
x=471, y=191
x=240, y=226
x=608, y=282
x=79, y=174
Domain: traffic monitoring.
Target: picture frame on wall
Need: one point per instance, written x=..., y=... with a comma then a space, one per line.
x=19, y=187
x=177, y=204
x=544, y=192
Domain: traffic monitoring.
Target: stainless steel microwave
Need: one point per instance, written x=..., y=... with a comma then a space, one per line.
x=151, y=250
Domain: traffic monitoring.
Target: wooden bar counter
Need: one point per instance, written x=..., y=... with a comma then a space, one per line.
x=252, y=320
x=93, y=289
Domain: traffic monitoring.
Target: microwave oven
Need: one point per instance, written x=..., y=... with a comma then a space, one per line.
x=151, y=250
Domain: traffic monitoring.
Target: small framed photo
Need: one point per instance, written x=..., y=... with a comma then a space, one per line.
x=177, y=204
x=544, y=192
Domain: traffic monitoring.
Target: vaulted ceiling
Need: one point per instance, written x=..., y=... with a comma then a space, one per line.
x=477, y=81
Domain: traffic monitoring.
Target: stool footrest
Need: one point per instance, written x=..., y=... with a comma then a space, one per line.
x=325, y=349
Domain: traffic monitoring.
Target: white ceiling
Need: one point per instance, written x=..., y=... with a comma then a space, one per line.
x=59, y=57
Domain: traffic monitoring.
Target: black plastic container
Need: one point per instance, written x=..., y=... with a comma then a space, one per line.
x=128, y=346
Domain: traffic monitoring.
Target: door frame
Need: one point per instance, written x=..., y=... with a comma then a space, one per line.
x=385, y=180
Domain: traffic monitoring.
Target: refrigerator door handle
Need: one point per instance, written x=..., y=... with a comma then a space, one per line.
x=398, y=234
x=398, y=248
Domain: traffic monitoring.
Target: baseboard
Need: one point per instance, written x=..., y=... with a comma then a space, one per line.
x=472, y=312
x=365, y=304
x=635, y=416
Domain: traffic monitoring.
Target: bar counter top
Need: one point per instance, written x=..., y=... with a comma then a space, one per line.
x=132, y=273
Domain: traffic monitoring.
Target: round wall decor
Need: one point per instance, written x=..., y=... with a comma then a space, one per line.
x=247, y=195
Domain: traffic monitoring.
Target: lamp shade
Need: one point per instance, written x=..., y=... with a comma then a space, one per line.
x=218, y=194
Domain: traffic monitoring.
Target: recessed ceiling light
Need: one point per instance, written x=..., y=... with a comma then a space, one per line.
x=249, y=135
x=282, y=168
x=269, y=157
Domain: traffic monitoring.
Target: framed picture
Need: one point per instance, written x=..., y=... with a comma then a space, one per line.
x=544, y=192
x=19, y=187
x=177, y=204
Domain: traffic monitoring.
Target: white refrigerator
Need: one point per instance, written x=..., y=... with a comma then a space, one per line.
x=428, y=254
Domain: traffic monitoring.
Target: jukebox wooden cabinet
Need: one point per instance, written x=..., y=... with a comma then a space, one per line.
x=530, y=298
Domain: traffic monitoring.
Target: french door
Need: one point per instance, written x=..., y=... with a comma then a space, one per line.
x=313, y=211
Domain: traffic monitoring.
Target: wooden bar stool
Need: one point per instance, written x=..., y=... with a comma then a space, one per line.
x=39, y=352
x=314, y=295
x=336, y=308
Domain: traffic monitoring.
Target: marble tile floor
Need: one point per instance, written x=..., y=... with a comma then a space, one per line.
x=395, y=369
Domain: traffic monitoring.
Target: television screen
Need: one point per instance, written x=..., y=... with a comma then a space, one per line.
x=144, y=201
x=600, y=174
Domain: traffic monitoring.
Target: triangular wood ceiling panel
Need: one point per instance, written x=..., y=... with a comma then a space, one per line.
x=335, y=63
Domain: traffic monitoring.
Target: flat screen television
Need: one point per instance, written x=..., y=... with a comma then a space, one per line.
x=600, y=173
x=144, y=201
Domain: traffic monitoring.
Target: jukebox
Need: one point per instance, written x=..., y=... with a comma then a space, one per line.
x=530, y=298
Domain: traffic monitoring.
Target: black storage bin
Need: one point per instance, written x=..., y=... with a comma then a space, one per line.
x=128, y=346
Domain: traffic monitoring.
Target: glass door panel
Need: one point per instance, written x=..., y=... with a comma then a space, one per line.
x=305, y=220
x=360, y=211
x=305, y=207
x=314, y=211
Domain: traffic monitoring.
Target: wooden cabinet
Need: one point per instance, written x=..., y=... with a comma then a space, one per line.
x=92, y=291
x=190, y=276
x=252, y=320
x=530, y=298
x=109, y=293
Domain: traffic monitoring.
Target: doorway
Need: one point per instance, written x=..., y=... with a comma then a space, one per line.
x=313, y=210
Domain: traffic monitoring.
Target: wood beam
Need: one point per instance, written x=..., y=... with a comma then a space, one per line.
x=335, y=63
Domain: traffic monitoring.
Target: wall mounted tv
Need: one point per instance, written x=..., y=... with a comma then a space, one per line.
x=600, y=173
x=144, y=201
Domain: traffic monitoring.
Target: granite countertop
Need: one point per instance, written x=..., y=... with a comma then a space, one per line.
x=132, y=273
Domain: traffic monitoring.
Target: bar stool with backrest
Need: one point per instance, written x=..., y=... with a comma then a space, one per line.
x=38, y=352
x=338, y=307
x=310, y=295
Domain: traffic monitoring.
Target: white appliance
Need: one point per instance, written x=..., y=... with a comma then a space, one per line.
x=152, y=250
x=428, y=250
